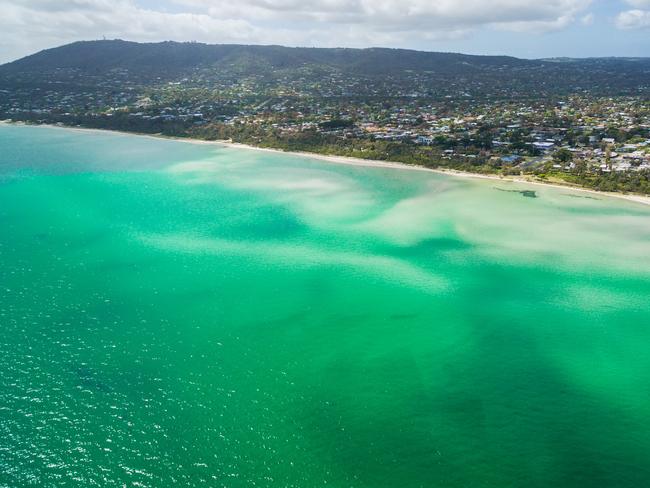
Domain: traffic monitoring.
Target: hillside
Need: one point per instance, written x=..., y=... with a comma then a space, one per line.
x=372, y=72
x=178, y=59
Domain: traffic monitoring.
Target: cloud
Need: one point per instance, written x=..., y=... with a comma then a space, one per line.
x=30, y=25
x=633, y=19
x=402, y=15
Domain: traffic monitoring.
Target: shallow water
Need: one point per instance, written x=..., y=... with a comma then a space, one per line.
x=174, y=314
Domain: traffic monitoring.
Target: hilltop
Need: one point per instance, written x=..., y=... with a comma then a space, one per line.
x=173, y=59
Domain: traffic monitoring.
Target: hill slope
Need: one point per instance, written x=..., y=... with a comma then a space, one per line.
x=177, y=59
x=377, y=72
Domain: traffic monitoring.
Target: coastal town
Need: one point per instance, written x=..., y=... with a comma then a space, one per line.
x=554, y=133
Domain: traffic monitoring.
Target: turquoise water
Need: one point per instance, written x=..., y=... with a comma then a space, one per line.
x=175, y=314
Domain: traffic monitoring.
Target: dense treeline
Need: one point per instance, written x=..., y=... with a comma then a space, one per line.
x=118, y=121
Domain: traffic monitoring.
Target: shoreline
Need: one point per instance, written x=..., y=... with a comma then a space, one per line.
x=351, y=161
x=371, y=163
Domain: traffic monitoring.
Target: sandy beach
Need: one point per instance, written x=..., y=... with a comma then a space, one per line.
x=642, y=199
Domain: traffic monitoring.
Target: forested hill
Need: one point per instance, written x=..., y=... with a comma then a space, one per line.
x=170, y=61
x=177, y=59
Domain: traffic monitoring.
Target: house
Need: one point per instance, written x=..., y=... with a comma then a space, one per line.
x=544, y=146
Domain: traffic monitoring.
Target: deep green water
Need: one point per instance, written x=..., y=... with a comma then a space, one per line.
x=178, y=315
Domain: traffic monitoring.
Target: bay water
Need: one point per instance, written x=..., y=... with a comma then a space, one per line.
x=178, y=314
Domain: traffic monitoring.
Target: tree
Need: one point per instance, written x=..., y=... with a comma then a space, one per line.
x=563, y=155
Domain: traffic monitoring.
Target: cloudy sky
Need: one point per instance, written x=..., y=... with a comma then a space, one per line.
x=524, y=28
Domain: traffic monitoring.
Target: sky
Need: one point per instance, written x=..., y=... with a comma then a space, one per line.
x=522, y=28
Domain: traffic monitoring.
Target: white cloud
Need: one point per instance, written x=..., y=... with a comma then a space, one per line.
x=633, y=19
x=30, y=25
x=397, y=15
